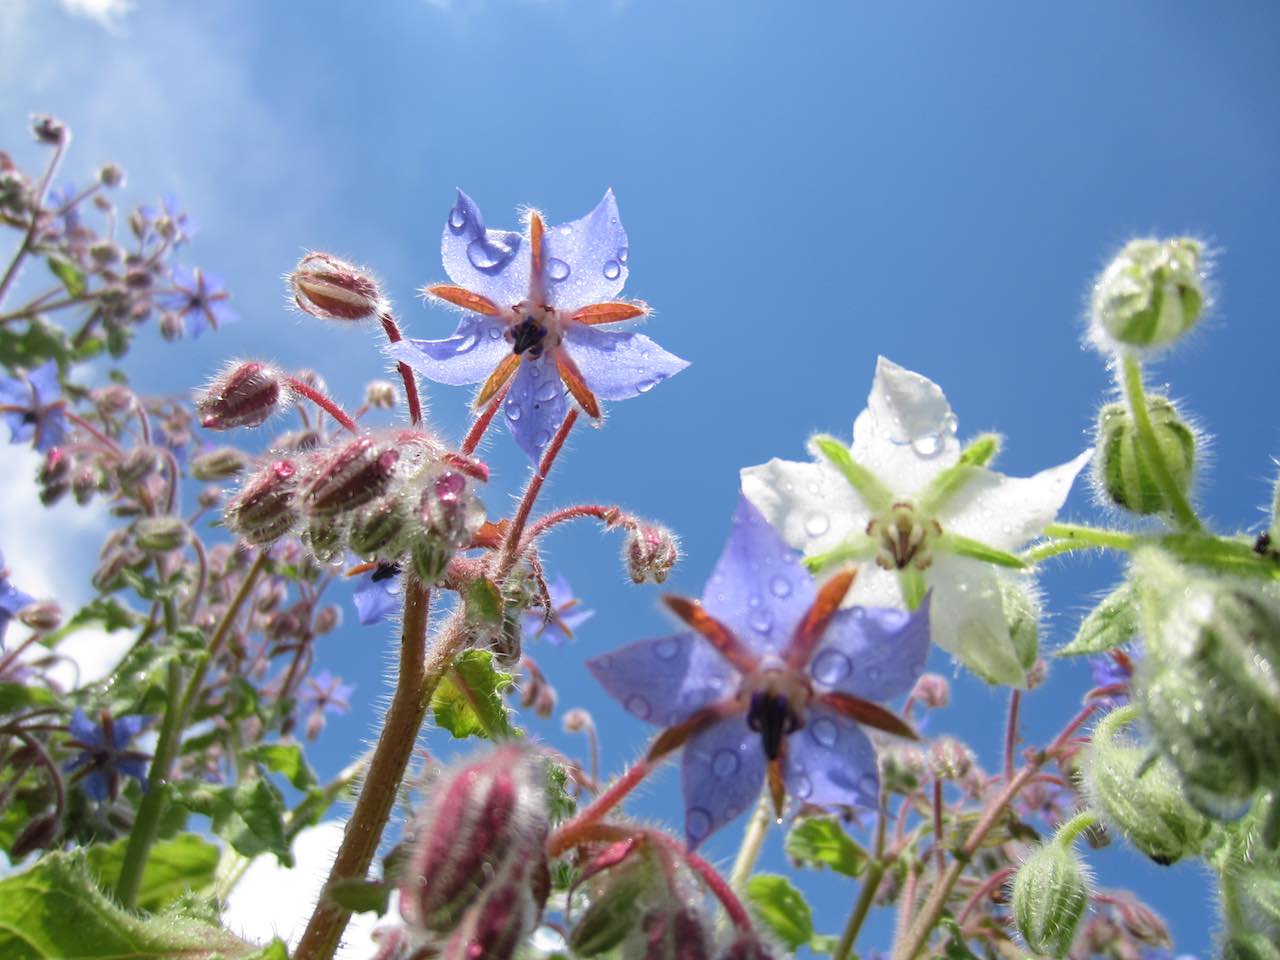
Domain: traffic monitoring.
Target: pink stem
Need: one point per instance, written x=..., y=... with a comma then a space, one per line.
x=510, y=549
x=610, y=516
x=1011, y=733
x=987, y=888
x=482, y=421
x=410, y=382
x=571, y=833
x=323, y=402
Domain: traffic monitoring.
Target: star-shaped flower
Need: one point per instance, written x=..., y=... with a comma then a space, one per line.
x=103, y=757
x=771, y=681
x=199, y=298
x=11, y=600
x=324, y=693
x=377, y=593
x=566, y=615
x=34, y=407
x=536, y=306
x=933, y=521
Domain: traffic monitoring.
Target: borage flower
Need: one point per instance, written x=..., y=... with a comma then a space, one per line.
x=932, y=521
x=377, y=594
x=772, y=681
x=556, y=625
x=324, y=693
x=103, y=758
x=34, y=408
x=534, y=320
x=12, y=600
x=199, y=299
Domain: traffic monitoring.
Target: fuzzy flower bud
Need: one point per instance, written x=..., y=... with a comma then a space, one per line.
x=620, y=879
x=449, y=514
x=264, y=510
x=1150, y=294
x=932, y=691
x=1120, y=470
x=49, y=130
x=332, y=289
x=359, y=472
x=674, y=932
x=746, y=946
x=1050, y=894
x=381, y=395
x=325, y=537
x=497, y=925
x=381, y=528
x=219, y=464
x=244, y=395
x=950, y=759
x=42, y=615
x=481, y=819
x=139, y=464
x=111, y=175
x=649, y=552
x=903, y=768
x=160, y=534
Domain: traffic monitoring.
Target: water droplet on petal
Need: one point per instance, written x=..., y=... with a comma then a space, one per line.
x=513, y=412
x=868, y=787
x=457, y=219
x=467, y=343
x=557, y=269
x=761, y=620
x=489, y=255
x=612, y=269
x=824, y=732
x=950, y=424
x=495, y=333
x=930, y=445
x=697, y=822
x=725, y=763
x=667, y=649
x=546, y=392
x=544, y=438
x=802, y=787
x=817, y=524
x=780, y=587
x=639, y=706
x=644, y=386
x=830, y=667
x=622, y=254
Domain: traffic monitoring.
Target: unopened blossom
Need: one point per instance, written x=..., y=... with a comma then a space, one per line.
x=103, y=756
x=199, y=299
x=565, y=615
x=377, y=593
x=12, y=600
x=33, y=407
x=536, y=308
x=901, y=496
x=771, y=682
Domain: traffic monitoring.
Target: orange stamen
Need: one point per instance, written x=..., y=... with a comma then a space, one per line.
x=536, y=229
x=503, y=372
x=611, y=311
x=572, y=378
x=868, y=714
x=360, y=568
x=777, y=789
x=462, y=297
x=714, y=632
x=810, y=629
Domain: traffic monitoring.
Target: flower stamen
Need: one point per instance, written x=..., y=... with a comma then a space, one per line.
x=905, y=537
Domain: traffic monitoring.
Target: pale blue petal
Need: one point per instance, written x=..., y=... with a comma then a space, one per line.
x=875, y=653
x=830, y=762
x=585, y=261
x=44, y=383
x=492, y=263
x=618, y=365
x=124, y=729
x=535, y=405
x=376, y=600
x=721, y=775
x=665, y=681
x=84, y=730
x=469, y=356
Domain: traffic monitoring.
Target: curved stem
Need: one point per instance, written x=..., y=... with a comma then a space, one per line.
x=611, y=516
x=1131, y=383
x=752, y=842
x=569, y=834
x=1072, y=536
x=511, y=546
x=1077, y=825
x=406, y=374
x=323, y=402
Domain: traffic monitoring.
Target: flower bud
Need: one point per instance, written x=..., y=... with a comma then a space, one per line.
x=1250, y=946
x=160, y=534
x=111, y=175
x=1209, y=684
x=620, y=879
x=55, y=467
x=49, y=130
x=932, y=691
x=649, y=552
x=264, y=510
x=479, y=820
x=325, y=537
x=137, y=466
x=1121, y=470
x=39, y=834
x=496, y=926
x=381, y=395
x=746, y=946
x=42, y=615
x=327, y=620
x=1050, y=894
x=244, y=395
x=903, y=768
x=1022, y=614
x=674, y=932
x=381, y=528
x=329, y=288
x=359, y=472
x=219, y=464
x=950, y=759
x=449, y=515
x=1150, y=294
x=1148, y=808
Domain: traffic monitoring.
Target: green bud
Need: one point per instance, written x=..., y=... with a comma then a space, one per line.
x=1250, y=947
x=380, y=528
x=1209, y=684
x=1121, y=470
x=1147, y=806
x=160, y=534
x=325, y=537
x=1050, y=894
x=1150, y=294
x=1022, y=614
x=618, y=897
x=219, y=464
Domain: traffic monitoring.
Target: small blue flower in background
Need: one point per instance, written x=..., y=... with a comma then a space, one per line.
x=34, y=408
x=1113, y=668
x=324, y=693
x=199, y=298
x=377, y=593
x=181, y=226
x=11, y=600
x=565, y=615
x=534, y=320
x=60, y=197
x=103, y=758
x=771, y=682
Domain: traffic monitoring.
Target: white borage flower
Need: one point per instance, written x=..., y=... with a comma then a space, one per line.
x=932, y=517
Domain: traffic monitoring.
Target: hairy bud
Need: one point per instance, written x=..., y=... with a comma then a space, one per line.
x=496, y=925
x=264, y=510
x=1022, y=613
x=674, y=932
x=381, y=395
x=746, y=946
x=359, y=472
x=325, y=537
x=137, y=466
x=1150, y=294
x=49, y=130
x=381, y=528
x=932, y=691
x=449, y=515
x=39, y=834
x=245, y=395
x=332, y=289
x=1050, y=894
x=903, y=768
x=649, y=552
x=42, y=615
x=160, y=534
x=620, y=879
x=220, y=464
x=111, y=175
x=1121, y=470
x=950, y=759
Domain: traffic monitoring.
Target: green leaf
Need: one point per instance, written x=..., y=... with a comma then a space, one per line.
x=39, y=342
x=107, y=612
x=250, y=817
x=360, y=896
x=825, y=943
x=468, y=702
x=821, y=842
x=284, y=758
x=175, y=867
x=560, y=805
x=68, y=273
x=55, y=911
x=782, y=908
x=15, y=697
x=275, y=950
x=1111, y=623
x=484, y=603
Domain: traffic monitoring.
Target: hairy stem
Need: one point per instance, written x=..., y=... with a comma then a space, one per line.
x=406, y=374
x=752, y=842
x=870, y=884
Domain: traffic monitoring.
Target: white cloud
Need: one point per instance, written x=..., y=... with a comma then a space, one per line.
x=110, y=13
x=273, y=901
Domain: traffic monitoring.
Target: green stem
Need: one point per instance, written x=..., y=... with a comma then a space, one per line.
x=752, y=843
x=870, y=884
x=1077, y=825
x=1073, y=536
x=1131, y=383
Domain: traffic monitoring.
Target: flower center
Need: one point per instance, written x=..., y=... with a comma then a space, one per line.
x=534, y=329
x=905, y=537
x=776, y=698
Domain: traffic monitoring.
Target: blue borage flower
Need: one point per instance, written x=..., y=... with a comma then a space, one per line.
x=103, y=758
x=534, y=320
x=377, y=593
x=11, y=600
x=557, y=625
x=324, y=693
x=34, y=407
x=199, y=299
x=771, y=682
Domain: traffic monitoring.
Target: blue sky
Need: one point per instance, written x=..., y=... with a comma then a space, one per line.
x=805, y=186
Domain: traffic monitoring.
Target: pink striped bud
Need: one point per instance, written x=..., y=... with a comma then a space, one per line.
x=746, y=946
x=264, y=510
x=674, y=932
x=332, y=289
x=485, y=820
x=496, y=925
x=649, y=552
x=244, y=395
x=359, y=472
x=449, y=514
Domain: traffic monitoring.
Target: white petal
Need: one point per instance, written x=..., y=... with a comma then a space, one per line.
x=967, y=619
x=810, y=504
x=1006, y=512
x=875, y=587
x=907, y=434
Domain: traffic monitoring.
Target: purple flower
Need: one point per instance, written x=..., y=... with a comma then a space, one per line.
x=199, y=299
x=772, y=681
x=167, y=220
x=1113, y=668
x=565, y=615
x=34, y=408
x=59, y=198
x=534, y=320
x=324, y=693
x=11, y=600
x=103, y=757
x=377, y=593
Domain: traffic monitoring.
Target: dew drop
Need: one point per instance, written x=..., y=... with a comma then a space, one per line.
x=546, y=392
x=644, y=386
x=612, y=269
x=667, y=649
x=830, y=667
x=824, y=732
x=950, y=424
x=803, y=787
x=557, y=269
x=868, y=787
x=495, y=333
x=697, y=822
x=817, y=524
x=457, y=219
x=639, y=706
x=725, y=763
x=488, y=254
x=513, y=412
x=467, y=343
x=930, y=445
x=761, y=620
x=780, y=586
x=622, y=254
